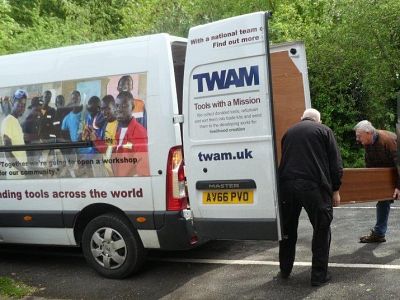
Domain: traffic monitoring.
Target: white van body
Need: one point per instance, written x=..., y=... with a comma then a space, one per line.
x=150, y=55
x=64, y=197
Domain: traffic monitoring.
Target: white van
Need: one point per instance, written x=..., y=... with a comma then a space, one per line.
x=92, y=138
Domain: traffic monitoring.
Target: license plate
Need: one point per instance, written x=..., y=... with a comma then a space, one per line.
x=228, y=197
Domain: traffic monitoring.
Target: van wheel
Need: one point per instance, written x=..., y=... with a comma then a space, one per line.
x=111, y=247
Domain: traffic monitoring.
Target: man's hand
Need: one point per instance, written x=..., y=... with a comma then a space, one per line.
x=396, y=194
x=88, y=134
x=336, y=199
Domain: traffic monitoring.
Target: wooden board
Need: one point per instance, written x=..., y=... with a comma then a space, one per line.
x=288, y=95
x=367, y=184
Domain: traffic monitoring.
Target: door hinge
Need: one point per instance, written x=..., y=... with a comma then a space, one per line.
x=177, y=119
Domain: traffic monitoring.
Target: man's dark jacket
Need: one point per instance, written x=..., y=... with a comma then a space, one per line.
x=310, y=152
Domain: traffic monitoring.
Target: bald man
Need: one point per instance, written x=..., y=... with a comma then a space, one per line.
x=310, y=174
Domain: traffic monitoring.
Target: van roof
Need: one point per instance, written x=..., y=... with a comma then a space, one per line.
x=158, y=36
x=82, y=61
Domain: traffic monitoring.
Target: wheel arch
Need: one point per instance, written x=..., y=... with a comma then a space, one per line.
x=92, y=211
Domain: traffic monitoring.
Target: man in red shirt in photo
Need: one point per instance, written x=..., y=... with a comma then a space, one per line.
x=130, y=157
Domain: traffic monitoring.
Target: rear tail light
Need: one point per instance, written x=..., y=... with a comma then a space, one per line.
x=176, y=180
x=194, y=240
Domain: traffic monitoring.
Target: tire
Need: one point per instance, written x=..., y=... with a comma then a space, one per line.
x=112, y=247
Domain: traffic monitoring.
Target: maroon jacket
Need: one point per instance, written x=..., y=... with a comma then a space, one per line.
x=382, y=153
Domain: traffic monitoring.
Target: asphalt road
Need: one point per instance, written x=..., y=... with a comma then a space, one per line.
x=227, y=269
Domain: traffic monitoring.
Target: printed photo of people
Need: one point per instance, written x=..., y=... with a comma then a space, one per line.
x=107, y=113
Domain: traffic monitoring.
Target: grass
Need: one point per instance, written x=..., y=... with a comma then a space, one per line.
x=14, y=289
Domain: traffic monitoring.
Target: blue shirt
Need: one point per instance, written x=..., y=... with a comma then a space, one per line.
x=72, y=123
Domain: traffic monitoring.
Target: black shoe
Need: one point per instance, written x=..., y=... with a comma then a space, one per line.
x=283, y=275
x=328, y=277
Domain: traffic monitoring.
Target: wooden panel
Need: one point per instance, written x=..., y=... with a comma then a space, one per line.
x=288, y=95
x=367, y=184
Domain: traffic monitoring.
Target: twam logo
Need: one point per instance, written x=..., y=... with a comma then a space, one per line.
x=224, y=79
x=214, y=156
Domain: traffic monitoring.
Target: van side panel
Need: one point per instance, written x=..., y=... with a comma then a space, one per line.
x=68, y=63
x=73, y=186
x=37, y=236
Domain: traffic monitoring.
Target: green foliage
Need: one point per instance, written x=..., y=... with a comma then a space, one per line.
x=353, y=47
x=8, y=27
x=153, y=16
x=14, y=289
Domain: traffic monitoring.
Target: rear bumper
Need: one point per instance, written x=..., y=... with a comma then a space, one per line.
x=174, y=231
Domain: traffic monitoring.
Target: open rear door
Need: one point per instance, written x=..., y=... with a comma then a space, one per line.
x=229, y=142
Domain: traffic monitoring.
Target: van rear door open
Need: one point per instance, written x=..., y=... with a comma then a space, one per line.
x=228, y=130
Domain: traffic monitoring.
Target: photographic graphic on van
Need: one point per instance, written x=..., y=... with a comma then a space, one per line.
x=91, y=127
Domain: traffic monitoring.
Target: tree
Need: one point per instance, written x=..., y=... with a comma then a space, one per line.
x=8, y=27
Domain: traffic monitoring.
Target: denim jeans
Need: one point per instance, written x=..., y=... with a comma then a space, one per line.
x=382, y=216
